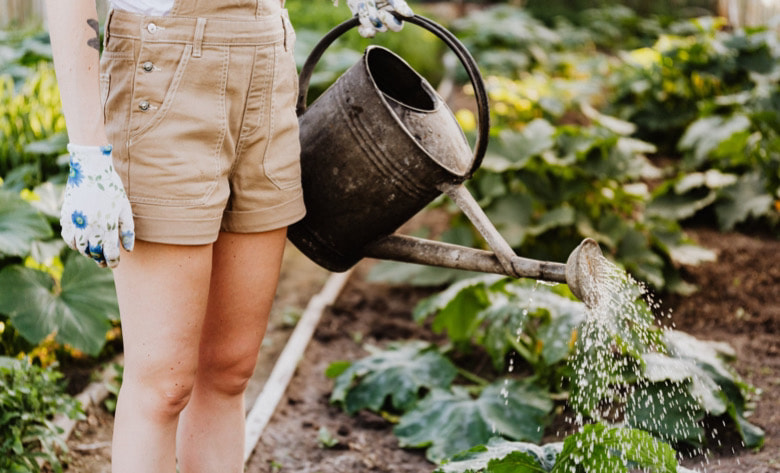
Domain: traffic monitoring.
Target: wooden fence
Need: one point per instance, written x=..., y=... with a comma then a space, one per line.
x=14, y=13
x=749, y=12
x=20, y=12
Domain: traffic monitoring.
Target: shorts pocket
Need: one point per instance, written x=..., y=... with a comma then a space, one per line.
x=175, y=149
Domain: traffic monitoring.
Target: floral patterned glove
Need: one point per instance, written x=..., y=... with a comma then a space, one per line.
x=96, y=213
x=376, y=16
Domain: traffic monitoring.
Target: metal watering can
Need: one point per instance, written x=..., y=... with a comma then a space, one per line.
x=378, y=146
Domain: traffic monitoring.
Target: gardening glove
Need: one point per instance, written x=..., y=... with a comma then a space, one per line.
x=96, y=214
x=376, y=16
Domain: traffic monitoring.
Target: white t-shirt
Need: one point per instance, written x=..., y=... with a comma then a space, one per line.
x=144, y=7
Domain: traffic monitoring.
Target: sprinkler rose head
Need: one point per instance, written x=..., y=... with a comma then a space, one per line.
x=584, y=270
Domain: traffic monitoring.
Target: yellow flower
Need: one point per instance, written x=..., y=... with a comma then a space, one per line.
x=466, y=120
x=29, y=195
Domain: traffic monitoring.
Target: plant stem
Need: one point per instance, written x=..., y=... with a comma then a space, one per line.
x=482, y=382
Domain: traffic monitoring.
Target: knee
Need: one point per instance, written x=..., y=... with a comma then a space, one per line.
x=228, y=373
x=160, y=397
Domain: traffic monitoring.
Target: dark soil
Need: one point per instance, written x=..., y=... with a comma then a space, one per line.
x=738, y=302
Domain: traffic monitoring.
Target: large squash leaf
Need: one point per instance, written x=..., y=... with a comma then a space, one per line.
x=78, y=309
x=398, y=373
x=599, y=449
x=711, y=358
x=595, y=449
x=747, y=198
x=504, y=455
x=448, y=422
x=667, y=410
x=20, y=225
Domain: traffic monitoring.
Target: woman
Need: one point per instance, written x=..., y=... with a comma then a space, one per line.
x=189, y=121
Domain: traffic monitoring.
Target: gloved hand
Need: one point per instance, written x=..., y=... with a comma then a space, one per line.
x=375, y=16
x=96, y=213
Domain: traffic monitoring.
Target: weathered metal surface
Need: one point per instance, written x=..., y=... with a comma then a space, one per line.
x=432, y=253
x=585, y=271
x=374, y=148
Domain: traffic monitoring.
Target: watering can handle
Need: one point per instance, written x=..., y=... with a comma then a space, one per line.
x=483, y=113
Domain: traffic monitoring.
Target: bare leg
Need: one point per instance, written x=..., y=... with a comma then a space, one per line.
x=163, y=293
x=243, y=282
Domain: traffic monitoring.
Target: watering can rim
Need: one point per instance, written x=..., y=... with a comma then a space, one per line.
x=465, y=57
x=462, y=169
x=437, y=102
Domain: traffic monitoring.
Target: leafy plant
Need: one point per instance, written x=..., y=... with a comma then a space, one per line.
x=114, y=386
x=22, y=50
x=32, y=130
x=78, y=308
x=399, y=373
x=503, y=316
x=624, y=369
x=702, y=384
x=446, y=422
x=662, y=89
x=20, y=225
x=596, y=448
x=30, y=397
x=44, y=294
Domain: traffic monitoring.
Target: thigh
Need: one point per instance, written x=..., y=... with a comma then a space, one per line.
x=163, y=294
x=245, y=272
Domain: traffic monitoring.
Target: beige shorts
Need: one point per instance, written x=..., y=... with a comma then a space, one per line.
x=201, y=113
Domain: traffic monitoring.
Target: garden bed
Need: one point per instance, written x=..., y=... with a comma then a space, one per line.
x=738, y=302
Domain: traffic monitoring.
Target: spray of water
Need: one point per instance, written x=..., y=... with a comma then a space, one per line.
x=608, y=383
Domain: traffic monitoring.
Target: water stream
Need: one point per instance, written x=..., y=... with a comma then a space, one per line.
x=609, y=382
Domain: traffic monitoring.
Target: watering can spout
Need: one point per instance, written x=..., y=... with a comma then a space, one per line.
x=582, y=270
x=585, y=271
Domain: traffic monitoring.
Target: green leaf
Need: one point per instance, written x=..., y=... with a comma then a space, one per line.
x=515, y=462
x=505, y=319
x=398, y=373
x=501, y=455
x=326, y=439
x=79, y=311
x=672, y=205
x=451, y=315
x=667, y=410
x=659, y=367
x=53, y=144
x=511, y=215
x=20, y=225
x=335, y=369
x=705, y=134
x=48, y=199
x=747, y=198
x=711, y=358
x=598, y=449
x=563, y=216
x=752, y=435
x=448, y=422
